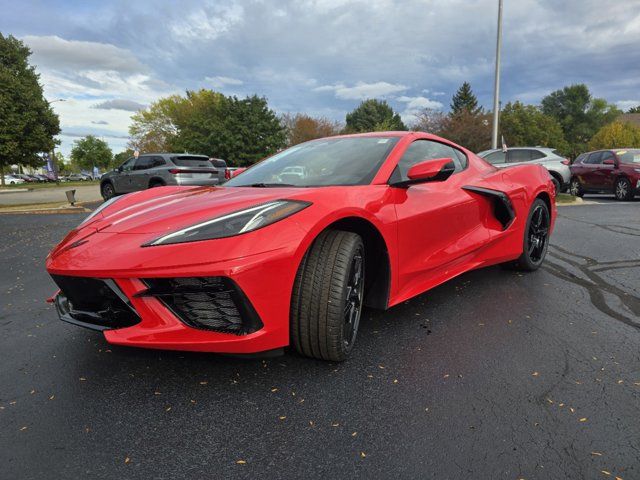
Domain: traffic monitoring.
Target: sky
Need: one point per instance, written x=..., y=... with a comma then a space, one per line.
x=107, y=59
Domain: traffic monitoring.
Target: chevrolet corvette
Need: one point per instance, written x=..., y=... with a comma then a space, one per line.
x=291, y=251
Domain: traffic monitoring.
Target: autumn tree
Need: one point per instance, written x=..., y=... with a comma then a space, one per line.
x=28, y=125
x=525, y=125
x=616, y=135
x=302, y=127
x=471, y=130
x=373, y=116
x=579, y=114
x=464, y=100
x=429, y=120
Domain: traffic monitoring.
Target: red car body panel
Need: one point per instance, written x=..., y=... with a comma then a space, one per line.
x=432, y=233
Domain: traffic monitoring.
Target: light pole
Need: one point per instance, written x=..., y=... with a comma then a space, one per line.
x=496, y=84
x=54, y=163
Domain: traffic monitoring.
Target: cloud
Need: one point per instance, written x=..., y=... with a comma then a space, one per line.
x=221, y=82
x=625, y=105
x=120, y=104
x=415, y=105
x=362, y=90
x=56, y=52
x=207, y=23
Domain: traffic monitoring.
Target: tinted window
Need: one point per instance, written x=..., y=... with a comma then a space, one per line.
x=496, y=157
x=581, y=158
x=629, y=156
x=556, y=152
x=328, y=161
x=594, y=158
x=517, y=156
x=425, y=150
x=191, y=161
x=143, y=163
x=536, y=154
x=128, y=165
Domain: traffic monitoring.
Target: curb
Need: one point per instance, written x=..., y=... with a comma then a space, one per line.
x=14, y=190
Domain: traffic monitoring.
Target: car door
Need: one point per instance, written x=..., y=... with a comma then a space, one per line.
x=438, y=222
x=589, y=175
x=604, y=175
x=122, y=181
x=140, y=174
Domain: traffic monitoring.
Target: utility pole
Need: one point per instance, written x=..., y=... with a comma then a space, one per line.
x=496, y=84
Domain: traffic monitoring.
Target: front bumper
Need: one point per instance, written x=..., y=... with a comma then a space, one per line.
x=263, y=279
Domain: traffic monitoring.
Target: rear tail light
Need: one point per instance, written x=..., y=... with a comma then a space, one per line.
x=565, y=162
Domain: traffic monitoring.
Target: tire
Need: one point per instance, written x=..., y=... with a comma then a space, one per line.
x=557, y=185
x=575, y=188
x=536, y=237
x=623, y=189
x=107, y=191
x=327, y=297
x=156, y=183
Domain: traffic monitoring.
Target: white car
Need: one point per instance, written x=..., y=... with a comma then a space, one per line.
x=12, y=180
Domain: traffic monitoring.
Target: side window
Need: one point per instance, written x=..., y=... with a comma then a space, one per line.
x=143, y=163
x=537, y=154
x=128, y=165
x=517, y=156
x=496, y=157
x=581, y=158
x=607, y=156
x=595, y=158
x=157, y=162
x=424, y=150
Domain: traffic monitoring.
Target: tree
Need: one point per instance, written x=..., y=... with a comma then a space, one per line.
x=470, y=130
x=429, y=120
x=635, y=109
x=120, y=158
x=28, y=125
x=153, y=129
x=616, y=135
x=302, y=128
x=579, y=114
x=525, y=125
x=373, y=116
x=241, y=131
x=90, y=152
x=464, y=100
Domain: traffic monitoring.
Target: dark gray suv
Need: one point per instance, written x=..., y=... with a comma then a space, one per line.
x=158, y=169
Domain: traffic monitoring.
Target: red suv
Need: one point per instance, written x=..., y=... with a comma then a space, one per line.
x=612, y=171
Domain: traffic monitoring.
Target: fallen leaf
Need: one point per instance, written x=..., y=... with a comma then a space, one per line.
x=52, y=397
x=167, y=409
x=362, y=454
x=597, y=454
x=395, y=380
x=583, y=419
x=535, y=374
x=446, y=376
x=274, y=390
x=608, y=474
x=335, y=424
x=32, y=392
x=573, y=410
x=282, y=417
x=354, y=434
x=241, y=462
x=23, y=429
x=127, y=460
x=204, y=383
x=82, y=379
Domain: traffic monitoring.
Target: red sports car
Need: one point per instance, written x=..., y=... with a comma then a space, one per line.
x=289, y=252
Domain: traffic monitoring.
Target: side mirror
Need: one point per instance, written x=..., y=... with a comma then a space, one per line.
x=432, y=170
x=609, y=161
x=119, y=169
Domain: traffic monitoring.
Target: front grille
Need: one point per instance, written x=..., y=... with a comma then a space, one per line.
x=93, y=303
x=207, y=303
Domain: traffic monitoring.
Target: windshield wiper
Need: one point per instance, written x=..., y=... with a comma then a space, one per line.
x=268, y=185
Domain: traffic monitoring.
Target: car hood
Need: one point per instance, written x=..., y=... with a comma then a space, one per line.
x=166, y=209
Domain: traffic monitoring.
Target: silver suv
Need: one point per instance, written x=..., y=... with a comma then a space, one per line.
x=549, y=158
x=158, y=169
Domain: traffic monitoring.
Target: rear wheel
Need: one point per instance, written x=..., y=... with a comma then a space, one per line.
x=156, y=183
x=623, y=189
x=328, y=295
x=536, y=237
x=107, y=190
x=575, y=188
x=557, y=185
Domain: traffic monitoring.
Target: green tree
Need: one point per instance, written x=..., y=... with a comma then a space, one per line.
x=90, y=152
x=373, y=116
x=28, y=125
x=120, y=158
x=635, y=109
x=616, y=135
x=471, y=130
x=525, y=125
x=241, y=131
x=579, y=114
x=154, y=129
x=464, y=100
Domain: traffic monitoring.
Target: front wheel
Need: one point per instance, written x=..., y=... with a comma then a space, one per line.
x=107, y=190
x=575, y=188
x=536, y=237
x=328, y=296
x=623, y=189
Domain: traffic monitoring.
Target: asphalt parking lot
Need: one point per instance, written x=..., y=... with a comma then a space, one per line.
x=493, y=375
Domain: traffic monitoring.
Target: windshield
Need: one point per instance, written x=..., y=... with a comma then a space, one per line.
x=629, y=156
x=329, y=161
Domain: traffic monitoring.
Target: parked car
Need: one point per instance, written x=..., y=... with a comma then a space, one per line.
x=77, y=177
x=255, y=266
x=25, y=177
x=44, y=178
x=549, y=158
x=10, y=179
x=607, y=171
x=159, y=169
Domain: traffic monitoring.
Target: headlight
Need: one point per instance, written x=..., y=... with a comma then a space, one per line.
x=235, y=223
x=99, y=209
